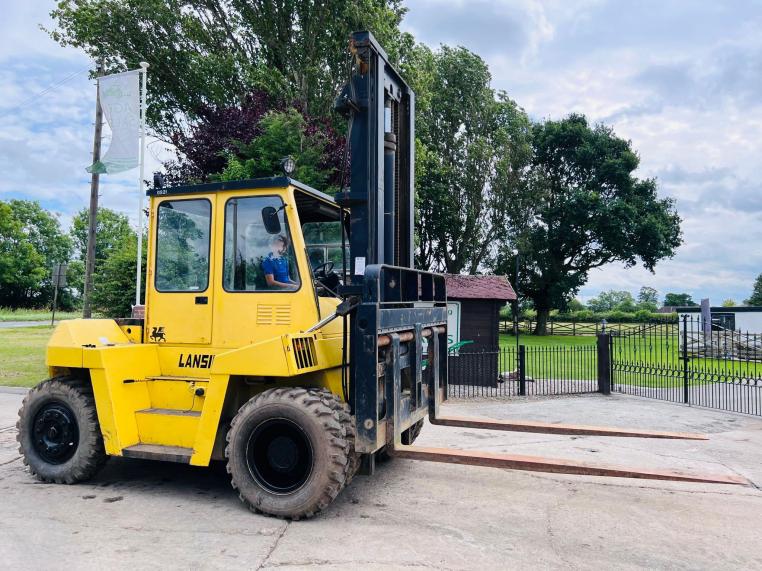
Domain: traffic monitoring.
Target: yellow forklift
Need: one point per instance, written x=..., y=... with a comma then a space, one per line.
x=295, y=367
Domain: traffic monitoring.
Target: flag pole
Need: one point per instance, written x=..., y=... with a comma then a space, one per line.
x=144, y=72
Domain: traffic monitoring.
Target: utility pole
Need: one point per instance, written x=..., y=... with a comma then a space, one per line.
x=94, y=186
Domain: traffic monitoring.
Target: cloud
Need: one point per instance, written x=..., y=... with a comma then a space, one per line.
x=680, y=79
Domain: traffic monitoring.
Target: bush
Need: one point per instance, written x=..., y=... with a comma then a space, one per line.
x=587, y=316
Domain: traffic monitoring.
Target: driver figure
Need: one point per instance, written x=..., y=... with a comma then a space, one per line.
x=275, y=265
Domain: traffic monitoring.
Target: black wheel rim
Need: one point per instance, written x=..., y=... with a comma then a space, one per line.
x=55, y=433
x=279, y=455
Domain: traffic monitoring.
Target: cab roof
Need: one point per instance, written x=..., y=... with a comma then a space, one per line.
x=253, y=183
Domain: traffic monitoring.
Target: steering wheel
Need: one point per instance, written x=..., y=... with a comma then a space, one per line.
x=323, y=269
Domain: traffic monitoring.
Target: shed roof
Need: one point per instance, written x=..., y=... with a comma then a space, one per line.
x=479, y=287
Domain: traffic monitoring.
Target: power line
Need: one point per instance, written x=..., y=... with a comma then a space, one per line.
x=47, y=90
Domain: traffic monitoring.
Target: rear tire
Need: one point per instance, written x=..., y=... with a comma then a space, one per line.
x=288, y=451
x=58, y=432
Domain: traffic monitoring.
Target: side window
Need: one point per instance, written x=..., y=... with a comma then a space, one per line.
x=257, y=259
x=182, y=245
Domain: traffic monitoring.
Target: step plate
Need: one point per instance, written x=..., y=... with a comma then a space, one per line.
x=157, y=452
x=169, y=412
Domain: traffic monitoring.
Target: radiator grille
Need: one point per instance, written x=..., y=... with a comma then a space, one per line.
x=304, y=352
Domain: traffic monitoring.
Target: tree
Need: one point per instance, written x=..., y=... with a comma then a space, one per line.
x=756, y=292
x=22, y=267
x=583, y=209
x=215, y=52
x=679, y=300
x=281, y=133
x=231, y=139
x=43, y=231
x=112, y=231
x=729, y=302
x=648, y=295
x=114, y=279
x=611, y=300
x=472, y=147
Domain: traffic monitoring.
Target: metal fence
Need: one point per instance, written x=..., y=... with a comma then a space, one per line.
x=691, y=362
x=694, y=362
x=524, y=371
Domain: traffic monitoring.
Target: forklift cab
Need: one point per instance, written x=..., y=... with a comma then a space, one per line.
x=239, y=253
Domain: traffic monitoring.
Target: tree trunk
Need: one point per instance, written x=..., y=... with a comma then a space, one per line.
x=541, y=327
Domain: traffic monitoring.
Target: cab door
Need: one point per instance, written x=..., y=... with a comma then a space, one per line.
x=179, y=295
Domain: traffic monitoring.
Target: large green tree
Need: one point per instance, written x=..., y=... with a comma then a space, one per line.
x=43, y=231
x=756, y=292
x=583, y=208
x=648, y=295
x=678, y=300
x=611, y=300
x=111, y=232
x=215, y=52
x=114, y=279
x=281, y=134
x=473, y=146
x=22, y=267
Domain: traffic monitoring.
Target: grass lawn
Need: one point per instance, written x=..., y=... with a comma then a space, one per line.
x=22, y=355
x=7, y=314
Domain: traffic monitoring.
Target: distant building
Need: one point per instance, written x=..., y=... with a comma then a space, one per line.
x=743, y=318
x=480, y=299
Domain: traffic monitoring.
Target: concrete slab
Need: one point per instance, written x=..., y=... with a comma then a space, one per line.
x=412, y=514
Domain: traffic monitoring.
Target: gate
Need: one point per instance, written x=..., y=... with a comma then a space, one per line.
x=690, y=361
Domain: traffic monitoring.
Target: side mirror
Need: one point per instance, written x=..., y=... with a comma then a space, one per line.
x=270, y=220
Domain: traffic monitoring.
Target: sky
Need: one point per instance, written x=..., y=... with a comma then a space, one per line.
x=681, y=79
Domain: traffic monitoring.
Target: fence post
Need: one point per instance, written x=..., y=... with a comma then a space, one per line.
x=522, y=370
x=604, y=364
x=685, y=359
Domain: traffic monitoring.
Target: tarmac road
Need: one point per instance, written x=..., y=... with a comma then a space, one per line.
x=139, y=514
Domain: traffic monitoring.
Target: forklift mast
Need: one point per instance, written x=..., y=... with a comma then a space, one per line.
x=398, y=310
x=381, y=110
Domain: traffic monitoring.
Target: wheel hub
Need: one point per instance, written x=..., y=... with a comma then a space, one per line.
x=279, y=455
x=55, y=432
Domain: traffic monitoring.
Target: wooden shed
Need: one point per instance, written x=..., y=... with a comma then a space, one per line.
x=480, y=298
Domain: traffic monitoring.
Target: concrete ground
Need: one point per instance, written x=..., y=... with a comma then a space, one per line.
x=412, y=514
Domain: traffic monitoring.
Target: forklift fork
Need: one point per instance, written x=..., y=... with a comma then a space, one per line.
x=522, y=462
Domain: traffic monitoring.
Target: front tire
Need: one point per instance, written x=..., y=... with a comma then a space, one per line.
x=58, y=432
x=289, y=451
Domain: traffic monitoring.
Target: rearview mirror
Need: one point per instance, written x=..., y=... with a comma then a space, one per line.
x=270, y=220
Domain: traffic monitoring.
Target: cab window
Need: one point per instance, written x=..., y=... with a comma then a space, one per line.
x=182, y=245
x=259, y=254
x=323, y=240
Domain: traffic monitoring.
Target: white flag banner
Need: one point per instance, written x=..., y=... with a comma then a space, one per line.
x=120, y=100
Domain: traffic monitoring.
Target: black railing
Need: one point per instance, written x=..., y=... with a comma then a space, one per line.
x=527, y=371
x=695, y=362
x=690, y=362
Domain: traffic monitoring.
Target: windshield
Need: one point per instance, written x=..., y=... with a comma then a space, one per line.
x=182, y=245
